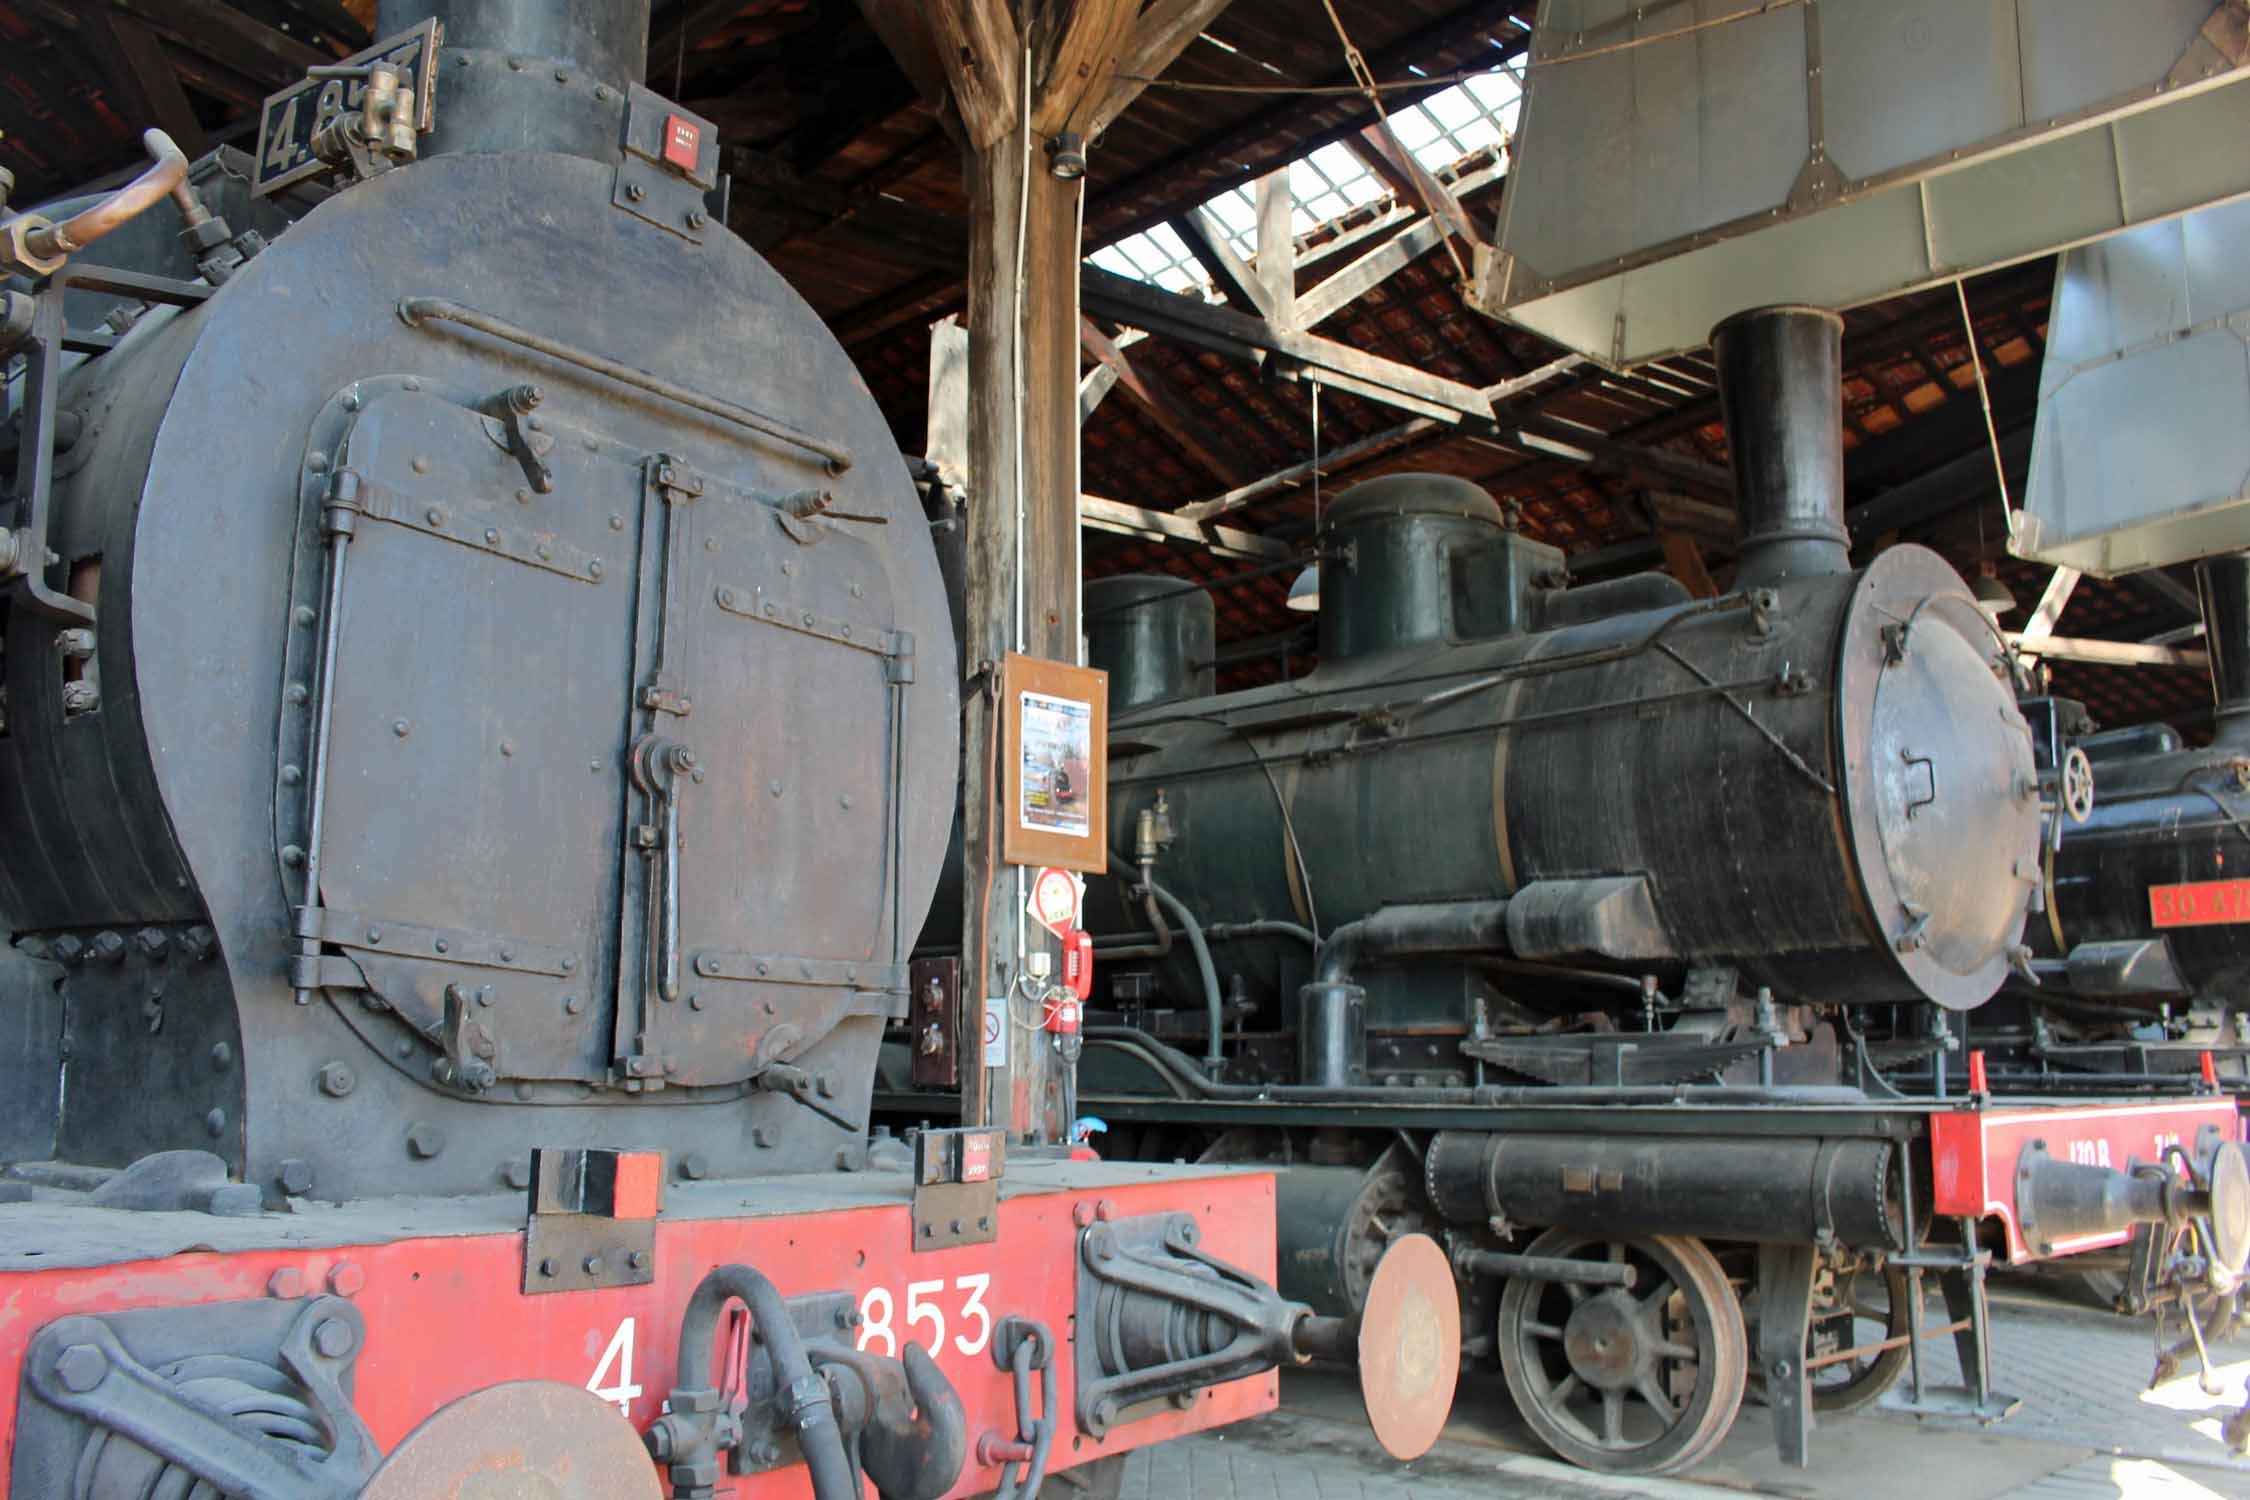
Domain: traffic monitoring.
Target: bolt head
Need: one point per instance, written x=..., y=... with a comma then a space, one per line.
x=550, y=1267
x=288, y=1284
x=295, y=1176
x=638, y=1260
x=347, y=1278
x=424, y=1140
x=334, y=1338
x=516, y=1172
x=81, y=1367
x=336, y=1080
x=592, y=1265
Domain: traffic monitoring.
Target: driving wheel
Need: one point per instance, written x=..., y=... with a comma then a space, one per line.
x=1639, y=1379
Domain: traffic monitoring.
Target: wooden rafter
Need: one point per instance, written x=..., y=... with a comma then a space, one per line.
x=147, y=87
x=219, y=31
x=1164, y=31
x=1156, y=401
x=979, y=47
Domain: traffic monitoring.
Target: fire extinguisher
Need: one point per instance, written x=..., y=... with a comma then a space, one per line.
x=1066, y=1000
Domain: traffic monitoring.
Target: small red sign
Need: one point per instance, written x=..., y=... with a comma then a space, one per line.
x=640, y=1184
x=2199, y=903
x=683, y=143
x=976, y=1157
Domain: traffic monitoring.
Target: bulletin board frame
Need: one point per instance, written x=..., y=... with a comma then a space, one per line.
x=1054, y=763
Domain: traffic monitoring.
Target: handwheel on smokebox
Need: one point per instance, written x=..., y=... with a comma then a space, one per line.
x=1643, y=1379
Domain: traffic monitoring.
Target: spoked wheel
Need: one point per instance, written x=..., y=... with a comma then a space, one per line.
x=1638, y=1380
x=1867, y=1309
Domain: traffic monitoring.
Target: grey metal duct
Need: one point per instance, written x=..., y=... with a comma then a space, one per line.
x=1680, y=160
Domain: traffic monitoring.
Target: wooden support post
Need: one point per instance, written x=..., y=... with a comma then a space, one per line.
x=1021, y=521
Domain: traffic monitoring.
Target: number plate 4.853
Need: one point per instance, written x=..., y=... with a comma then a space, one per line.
x=289, y=119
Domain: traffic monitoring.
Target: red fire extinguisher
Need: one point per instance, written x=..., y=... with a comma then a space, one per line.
x=1064, y=1007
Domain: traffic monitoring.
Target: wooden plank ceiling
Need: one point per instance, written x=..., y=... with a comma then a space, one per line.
x=848, y=182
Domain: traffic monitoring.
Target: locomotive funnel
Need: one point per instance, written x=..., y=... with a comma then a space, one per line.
x=2224, y=584
x=530, y=75
x=1781, y=391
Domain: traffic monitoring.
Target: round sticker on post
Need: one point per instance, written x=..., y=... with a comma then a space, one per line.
x=1054, y=900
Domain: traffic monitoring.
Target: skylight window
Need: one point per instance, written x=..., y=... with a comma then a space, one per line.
x=1330, y=181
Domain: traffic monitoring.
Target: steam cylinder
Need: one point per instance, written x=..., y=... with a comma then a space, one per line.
x=1821, y=780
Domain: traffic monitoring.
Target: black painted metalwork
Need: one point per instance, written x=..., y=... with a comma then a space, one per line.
x=536, y=761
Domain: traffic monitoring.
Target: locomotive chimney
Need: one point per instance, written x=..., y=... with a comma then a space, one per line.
x=530, y=75
x=1781, y=391
x=2224, y=584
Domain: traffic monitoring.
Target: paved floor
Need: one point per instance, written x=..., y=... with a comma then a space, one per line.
x=2089, y=1429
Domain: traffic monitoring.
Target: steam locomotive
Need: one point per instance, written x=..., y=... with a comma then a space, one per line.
x=2144, y=946
x=480, y=727
x=1579, y=927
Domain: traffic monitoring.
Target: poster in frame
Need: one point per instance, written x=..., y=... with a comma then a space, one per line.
x=1054, y=807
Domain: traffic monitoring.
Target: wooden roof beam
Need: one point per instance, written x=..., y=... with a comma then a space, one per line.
x=1162, y=407
x=1165, y=30
x=1387, y=157
x=1206, y=240
x=147, y=89
x=978, y=46
x=219, y=31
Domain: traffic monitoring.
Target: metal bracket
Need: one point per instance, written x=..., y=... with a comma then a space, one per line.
x=1785, y=1291
x=452, y=945
x=786, y=968
x=593, y=1220
x=534, y=549
x=653, y=183
x=957, y=1186
x=756, y=604
x=823, y=1321
x=80, y=1366
x=934, y=1023
x=23, y=551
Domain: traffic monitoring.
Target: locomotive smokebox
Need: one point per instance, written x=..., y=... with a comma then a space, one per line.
x=533, y=75
x=1781, y=390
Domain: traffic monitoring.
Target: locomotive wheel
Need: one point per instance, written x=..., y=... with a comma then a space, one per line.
x=1638, y=1380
